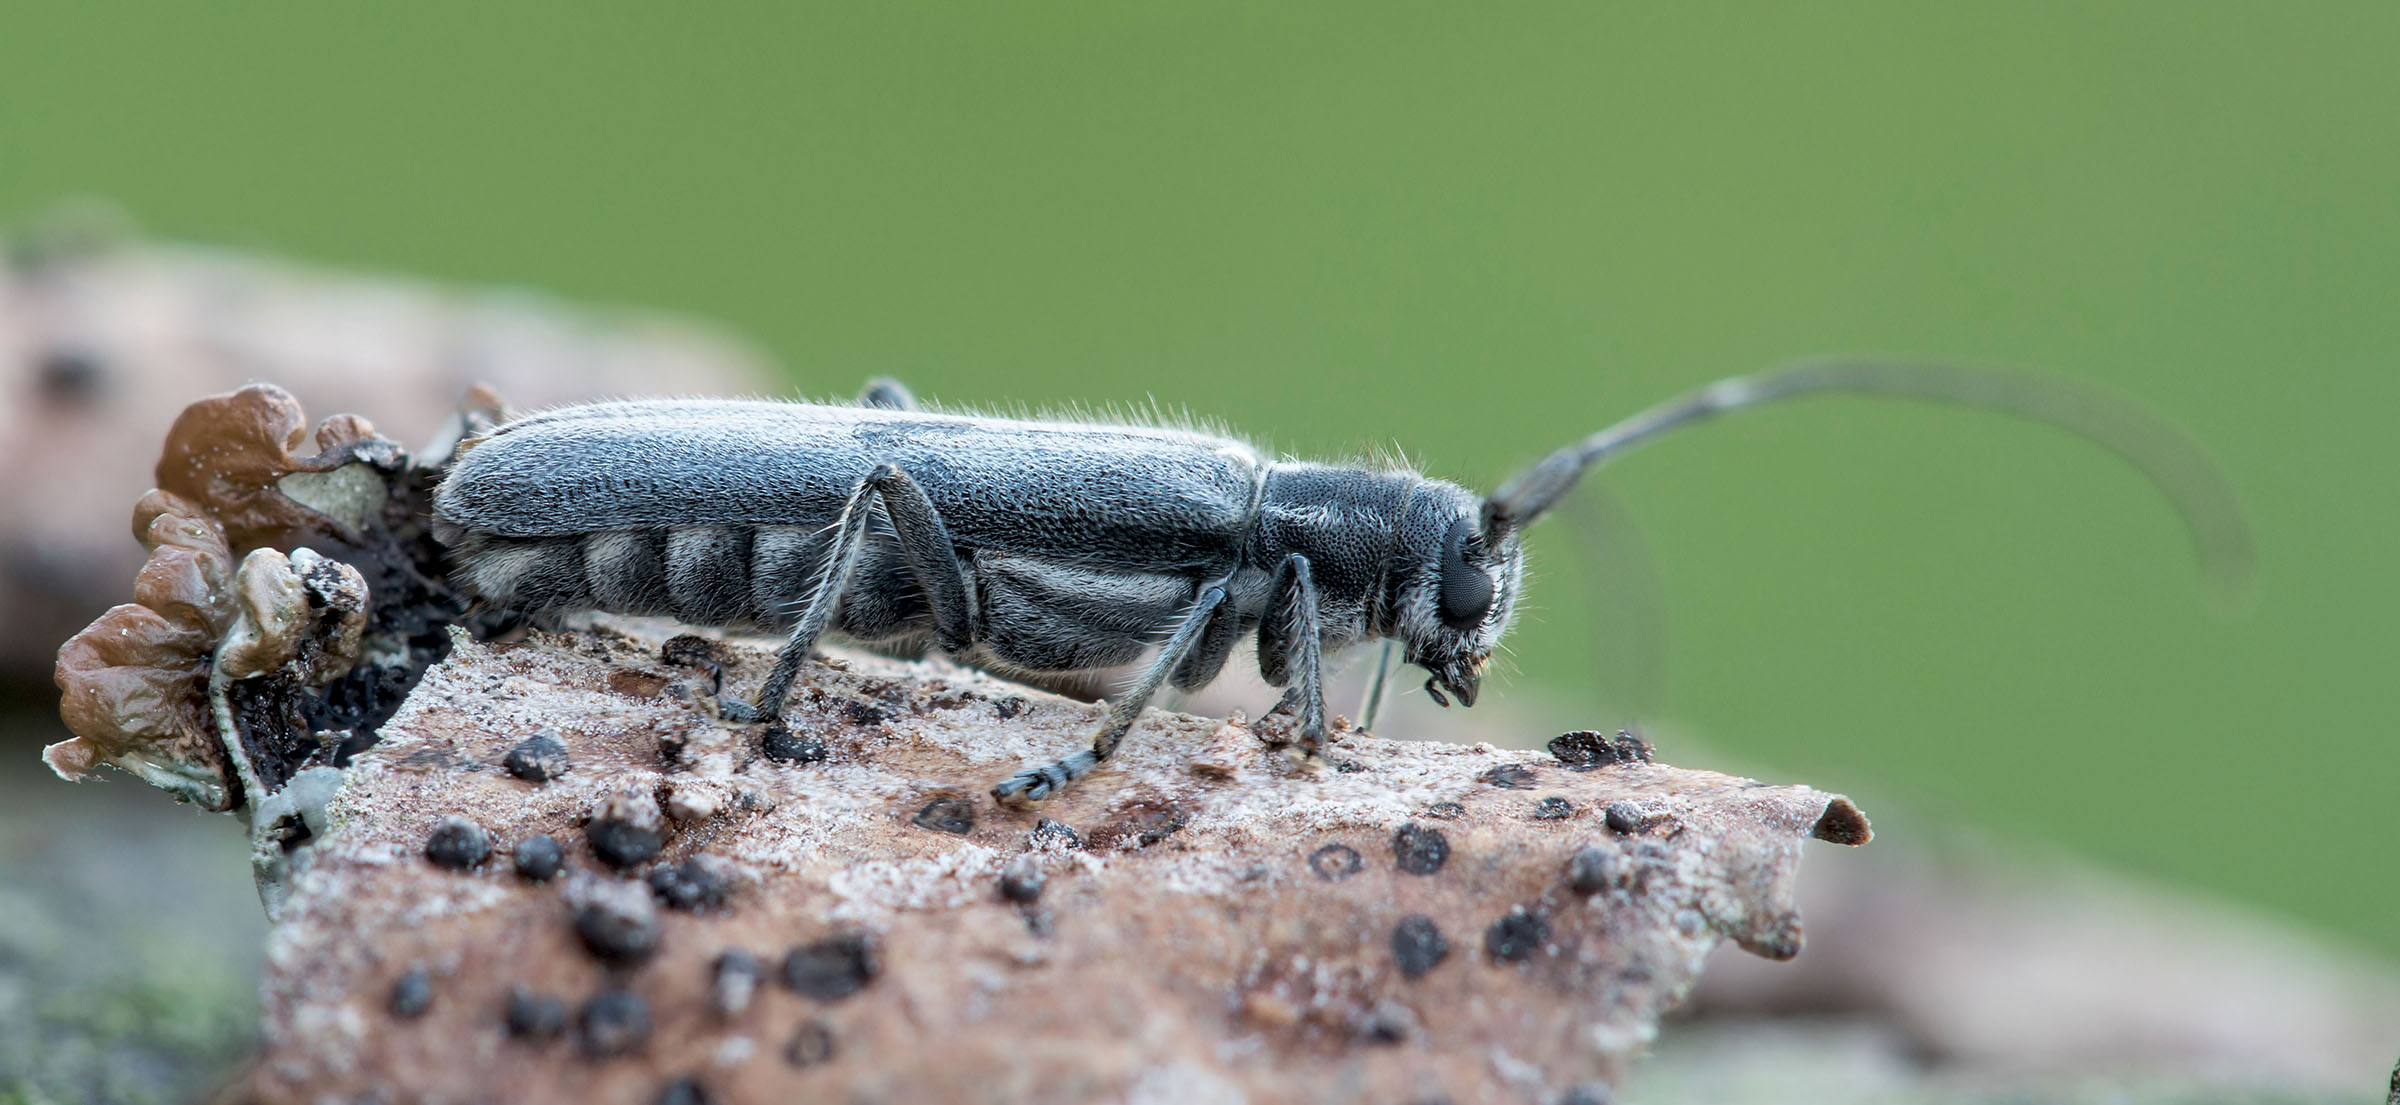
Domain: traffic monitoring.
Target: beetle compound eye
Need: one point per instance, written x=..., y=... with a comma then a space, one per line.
x=1466, y=589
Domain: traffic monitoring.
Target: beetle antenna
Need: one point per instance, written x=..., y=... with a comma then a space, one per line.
x=2220, y=533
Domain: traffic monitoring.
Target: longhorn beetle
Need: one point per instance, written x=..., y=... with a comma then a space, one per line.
x=1023, y=546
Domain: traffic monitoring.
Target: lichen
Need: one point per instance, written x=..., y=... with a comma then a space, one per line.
x=220, y=682
x=231, y=455
x=133, y=684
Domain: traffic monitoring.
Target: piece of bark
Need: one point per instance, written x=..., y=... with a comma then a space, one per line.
x=143, y=688
x=1391, y=928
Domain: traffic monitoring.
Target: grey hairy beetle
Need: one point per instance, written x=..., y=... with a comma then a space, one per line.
x=1026, y=546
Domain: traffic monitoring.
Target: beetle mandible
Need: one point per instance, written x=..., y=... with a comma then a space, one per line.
x=1047, y=547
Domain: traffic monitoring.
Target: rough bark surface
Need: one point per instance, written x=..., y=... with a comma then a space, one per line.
x=1203, y=921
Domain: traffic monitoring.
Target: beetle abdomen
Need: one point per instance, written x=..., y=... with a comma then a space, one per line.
x=729, y=576
x=703, y=575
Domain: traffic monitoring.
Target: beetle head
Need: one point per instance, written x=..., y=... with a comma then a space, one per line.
x=1454, y=599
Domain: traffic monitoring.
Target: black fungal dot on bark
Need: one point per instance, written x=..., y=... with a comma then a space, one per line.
x=695, y=884
x=686, y=1091
x=1511, y=776
x=620, y=926
x=1048, y=832
x=538, y=858
x=1420, y=850
x=833, y=968
x=1587, y=749
x=626, y=830
x=537, y=759
x=733, y=981
x=813, y=1044
x=786, y=747
x=613, y=1023
x=1592, y=870
x=1335, y=862
x=859, y=713
x=691, y=650
x=621, y=845
x=458, y=844
x=1517, y=936
x=1553, y=808
x=1021, y=881
x=946, y=814
x=1418, y=945
x=412, y=993
x=671, y=747
x=1445, y=811
x=1008, y=707
x=1140, y=824
x=535, y=1018
x=1624, y=817
x=1348, y=767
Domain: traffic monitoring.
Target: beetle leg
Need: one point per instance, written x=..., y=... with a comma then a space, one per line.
x=1378, y=683
x=1208, y=658
x=932, y=559
x=889, y=394
x=1039, y=784
x=1291, y=647
x=925, y=542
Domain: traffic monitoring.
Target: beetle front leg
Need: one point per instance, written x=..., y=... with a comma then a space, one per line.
x=1039, y=784
x=1291, y=648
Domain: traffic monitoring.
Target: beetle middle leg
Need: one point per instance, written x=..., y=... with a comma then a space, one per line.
x=889, y=394
x=932, y=560
x=1291, y=648
x=1038, y=784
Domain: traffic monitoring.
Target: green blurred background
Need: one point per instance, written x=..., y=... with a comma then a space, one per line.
x=1476, y=233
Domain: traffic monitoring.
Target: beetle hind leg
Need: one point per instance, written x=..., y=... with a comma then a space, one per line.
x=1039, y=784
x=932, y=560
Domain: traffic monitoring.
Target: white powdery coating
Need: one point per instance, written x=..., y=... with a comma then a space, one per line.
x=869, y=890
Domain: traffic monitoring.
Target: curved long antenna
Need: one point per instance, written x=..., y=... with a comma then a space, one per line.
x=2183, y=473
